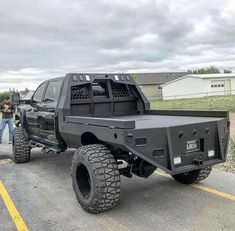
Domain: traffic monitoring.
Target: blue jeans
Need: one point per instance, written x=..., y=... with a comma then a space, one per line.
x=4, y=122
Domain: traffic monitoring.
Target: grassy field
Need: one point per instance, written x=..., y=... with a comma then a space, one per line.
x=208, y=103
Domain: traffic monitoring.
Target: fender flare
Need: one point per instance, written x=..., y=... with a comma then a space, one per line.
x=23, y=123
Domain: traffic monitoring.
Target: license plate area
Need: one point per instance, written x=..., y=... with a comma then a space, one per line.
x=193, y=146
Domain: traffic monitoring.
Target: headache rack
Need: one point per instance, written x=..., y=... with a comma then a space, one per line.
x=104, y=98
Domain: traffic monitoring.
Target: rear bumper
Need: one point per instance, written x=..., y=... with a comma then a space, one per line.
x=166, y=148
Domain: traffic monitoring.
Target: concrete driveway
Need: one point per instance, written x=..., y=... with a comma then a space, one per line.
x=42, y=194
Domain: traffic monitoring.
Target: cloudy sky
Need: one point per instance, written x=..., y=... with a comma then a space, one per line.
x=44, y=39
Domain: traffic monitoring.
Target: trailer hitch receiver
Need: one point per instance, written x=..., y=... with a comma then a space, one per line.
x=198, y=162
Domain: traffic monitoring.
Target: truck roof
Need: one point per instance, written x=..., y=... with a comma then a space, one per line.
x=51, y=79
x=98, y=75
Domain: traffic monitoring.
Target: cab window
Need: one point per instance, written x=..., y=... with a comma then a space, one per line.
x=37, y=97
x=53, y=91
x=99, y=88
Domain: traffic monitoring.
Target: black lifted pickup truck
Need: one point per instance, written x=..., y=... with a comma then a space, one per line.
x=107, y=118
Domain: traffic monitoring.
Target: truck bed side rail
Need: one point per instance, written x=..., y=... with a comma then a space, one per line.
x=103, y=122
x=199, y=113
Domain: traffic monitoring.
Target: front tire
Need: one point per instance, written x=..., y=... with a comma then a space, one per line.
x=20, y=146
x=193, y=176
x=95, y=178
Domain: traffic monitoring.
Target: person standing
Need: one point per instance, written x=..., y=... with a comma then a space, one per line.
x=7, y=108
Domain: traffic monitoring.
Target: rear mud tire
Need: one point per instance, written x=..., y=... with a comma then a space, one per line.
x=193, y=176
x=95, y=178
x=20, y=146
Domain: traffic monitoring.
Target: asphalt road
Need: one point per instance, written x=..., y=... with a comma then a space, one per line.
x=42, y=193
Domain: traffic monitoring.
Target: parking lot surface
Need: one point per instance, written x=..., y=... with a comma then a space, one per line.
x=41, y=191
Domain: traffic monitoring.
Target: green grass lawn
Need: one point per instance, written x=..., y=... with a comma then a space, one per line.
x=208, y=103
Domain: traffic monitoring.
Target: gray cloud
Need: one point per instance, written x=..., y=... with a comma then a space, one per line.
x=49, y=38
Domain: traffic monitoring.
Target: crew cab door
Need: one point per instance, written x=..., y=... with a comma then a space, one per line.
x=33, y=110
x=46, y=117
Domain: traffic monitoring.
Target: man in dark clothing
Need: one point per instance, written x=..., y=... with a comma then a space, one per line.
x=7, y=108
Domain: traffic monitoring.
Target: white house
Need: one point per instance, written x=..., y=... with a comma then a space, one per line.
x=194, y=86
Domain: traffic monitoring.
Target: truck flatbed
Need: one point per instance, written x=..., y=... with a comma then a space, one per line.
x=160, y=121
x=141, y=121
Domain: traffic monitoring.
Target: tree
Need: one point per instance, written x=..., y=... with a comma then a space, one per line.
x=227, y=71
x=208, y=70
x=4, y=94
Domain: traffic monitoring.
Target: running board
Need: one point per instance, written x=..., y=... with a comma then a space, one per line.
x=45, y=148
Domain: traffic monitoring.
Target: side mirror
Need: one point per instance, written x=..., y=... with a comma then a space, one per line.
x=16, y=98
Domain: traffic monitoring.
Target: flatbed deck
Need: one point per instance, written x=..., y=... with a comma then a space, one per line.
x=159, y=121
x=141, y=121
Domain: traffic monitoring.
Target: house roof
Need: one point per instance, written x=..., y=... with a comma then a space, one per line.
x=203, y=76
x=213, y=76
x=157, y=78
x=25, y=92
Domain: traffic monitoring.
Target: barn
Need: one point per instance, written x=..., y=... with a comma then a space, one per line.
x=194, y=86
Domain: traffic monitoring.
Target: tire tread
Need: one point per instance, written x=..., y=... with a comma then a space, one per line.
x=107, y=174
x=21, y=149
x=193, y=176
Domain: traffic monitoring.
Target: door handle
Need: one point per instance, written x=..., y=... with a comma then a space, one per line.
x=51, y=110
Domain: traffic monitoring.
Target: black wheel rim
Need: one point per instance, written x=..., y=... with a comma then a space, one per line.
x=83, y=181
